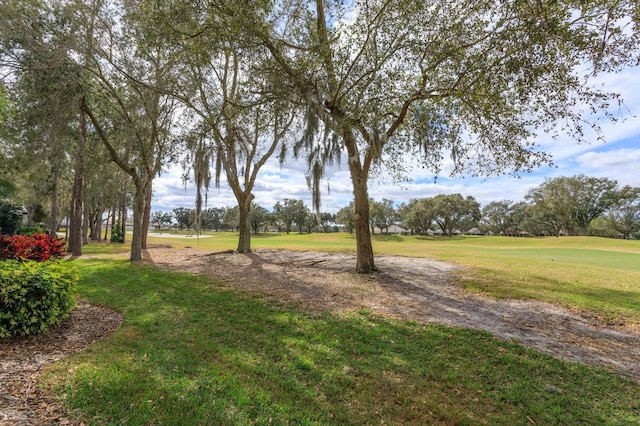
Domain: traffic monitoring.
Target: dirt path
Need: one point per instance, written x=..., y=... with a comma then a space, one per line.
x=417, y=289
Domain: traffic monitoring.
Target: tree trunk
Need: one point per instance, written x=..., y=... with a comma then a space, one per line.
x=146, y=218
x=113, y=217
x=106, y=225
x=359, y=176
x=364, y=248
x=85, y=228
x=99, y=221
x=139, y=202
x=123, y=210
x=75, y=218
x=96, y=224
x=91, y=219
x=53, y=218
x=244, y=225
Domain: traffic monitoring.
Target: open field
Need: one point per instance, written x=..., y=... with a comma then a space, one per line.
x=587, y=273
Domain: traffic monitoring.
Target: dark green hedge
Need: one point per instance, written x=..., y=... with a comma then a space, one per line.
x=34, y=295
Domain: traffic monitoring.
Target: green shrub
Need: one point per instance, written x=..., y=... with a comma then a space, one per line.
x=34, y=295
x=116, y=233
x=30, y=230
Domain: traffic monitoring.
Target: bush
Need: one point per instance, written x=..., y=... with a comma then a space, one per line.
x=38, y=247
x=34, y=295
x=30, y=230
x=116, y=233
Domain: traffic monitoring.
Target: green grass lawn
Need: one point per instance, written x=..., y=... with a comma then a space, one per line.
x=191, y=352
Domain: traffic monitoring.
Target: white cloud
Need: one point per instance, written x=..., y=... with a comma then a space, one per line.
x=622, y=165
x=618, y=158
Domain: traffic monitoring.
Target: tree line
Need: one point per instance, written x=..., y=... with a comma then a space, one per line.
x=290, y=215
x=98, y=98
x=577, y=205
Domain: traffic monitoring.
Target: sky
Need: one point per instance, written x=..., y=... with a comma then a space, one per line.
x=617, y=158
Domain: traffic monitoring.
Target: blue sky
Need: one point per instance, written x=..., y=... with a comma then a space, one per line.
x=617, y=158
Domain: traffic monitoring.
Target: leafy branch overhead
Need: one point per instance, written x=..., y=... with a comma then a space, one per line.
x=382, y=85
x=477, y=80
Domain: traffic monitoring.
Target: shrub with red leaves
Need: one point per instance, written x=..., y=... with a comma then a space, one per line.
x=38, y=247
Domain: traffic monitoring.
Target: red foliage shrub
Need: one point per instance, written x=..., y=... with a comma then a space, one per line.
x=39, y=247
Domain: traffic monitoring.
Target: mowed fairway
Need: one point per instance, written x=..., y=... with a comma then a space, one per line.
x=586, y=273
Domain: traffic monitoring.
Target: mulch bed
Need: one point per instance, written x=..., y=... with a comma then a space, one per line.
x=22, y=359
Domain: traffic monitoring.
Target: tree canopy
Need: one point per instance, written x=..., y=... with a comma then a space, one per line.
x=569, y=204
x=477, y=79
x=372, y=83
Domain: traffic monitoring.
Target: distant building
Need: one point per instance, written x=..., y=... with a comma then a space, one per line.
x=393, y=229
x=474, y=231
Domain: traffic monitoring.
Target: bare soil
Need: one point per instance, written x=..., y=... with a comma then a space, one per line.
x=418, y=289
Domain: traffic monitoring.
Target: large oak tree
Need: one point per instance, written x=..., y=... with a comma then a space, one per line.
x=569, y=204
x=478, y=80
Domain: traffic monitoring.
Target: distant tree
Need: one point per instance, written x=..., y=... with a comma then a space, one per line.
x=344, y=217
x=452, y=212
x=161, y=219
x=326, y=219
x=231, y=218
x=311, y=222
x=521, y=219
x=184, y=217
x=301, y=214
x=593, y=197
x=291, y=211
x=382, y=214
x=600, y=227
x=212, y=218
x=569, y=204
x=403, y=214
x=496, y=217
x=259, y=217
x=277, y=218
x=624, y=214
x=548, y=216
x=417, y=215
